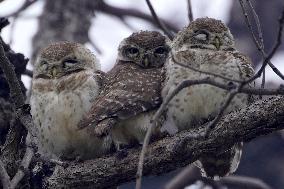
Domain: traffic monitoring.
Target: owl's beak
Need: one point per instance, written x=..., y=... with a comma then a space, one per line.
x=217, y=43
x=53, y=71
x=146, y=61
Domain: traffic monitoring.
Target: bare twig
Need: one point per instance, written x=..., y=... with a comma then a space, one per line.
x=122, y=12
x=25, y=5
x=158, y=21
x=260, y=47
x=189, y=11
x=256, y=19
x=28, y=73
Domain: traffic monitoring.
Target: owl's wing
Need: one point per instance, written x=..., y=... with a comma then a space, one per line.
x=246, y=70
x=120, y=105
x=245, y=65
x=101, y=78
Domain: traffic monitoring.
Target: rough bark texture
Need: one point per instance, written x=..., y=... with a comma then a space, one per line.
x=261, y=118
x=11, y=130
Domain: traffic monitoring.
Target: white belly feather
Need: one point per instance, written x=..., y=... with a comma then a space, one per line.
x=56, y=115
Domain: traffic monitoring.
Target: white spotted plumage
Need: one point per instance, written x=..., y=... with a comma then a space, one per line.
x=58, y=103
x=132, y=90
x=214, y=53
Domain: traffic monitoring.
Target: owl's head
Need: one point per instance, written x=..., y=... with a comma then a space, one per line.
x=63, y=59
x=205, y=33
x=147, y=49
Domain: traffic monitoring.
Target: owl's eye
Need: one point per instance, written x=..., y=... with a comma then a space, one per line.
x=132, y=51
x=43, y=62
x=161, y=50
x=201, y=35
x=70, y=62
x=43, y=65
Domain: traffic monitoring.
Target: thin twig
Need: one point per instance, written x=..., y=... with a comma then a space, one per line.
x=28, y=73
x=158, y=21
x=25, y=5
x=189, y=11
x=261, y=48
x=123, y=12
x=256, y=19
x=260, y=37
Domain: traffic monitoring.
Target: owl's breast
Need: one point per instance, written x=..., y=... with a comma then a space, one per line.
x=194, y=104
x=56, y=115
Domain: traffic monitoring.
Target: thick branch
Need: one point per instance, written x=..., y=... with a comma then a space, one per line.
x=261, y=118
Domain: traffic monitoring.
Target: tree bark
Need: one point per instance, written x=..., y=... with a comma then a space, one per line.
x=260, y=118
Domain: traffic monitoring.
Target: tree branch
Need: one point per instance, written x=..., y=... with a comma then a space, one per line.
x=22, y=112
x=266, y=58
x=158, y=21
x=122, y=12
x=261, y=118
x=189, y=11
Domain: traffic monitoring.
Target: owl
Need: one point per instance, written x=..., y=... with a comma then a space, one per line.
x=207, y=45
x=132, y=90
x=66, y=82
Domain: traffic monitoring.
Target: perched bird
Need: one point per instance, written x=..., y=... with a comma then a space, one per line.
x=65, y=83
x=207, y=45
x=132, y=90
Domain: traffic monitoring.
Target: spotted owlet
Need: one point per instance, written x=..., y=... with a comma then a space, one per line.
x=207, y=45
x=66, y=82
x=132, y=90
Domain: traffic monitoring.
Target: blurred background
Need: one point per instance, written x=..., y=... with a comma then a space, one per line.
x=102, y=24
